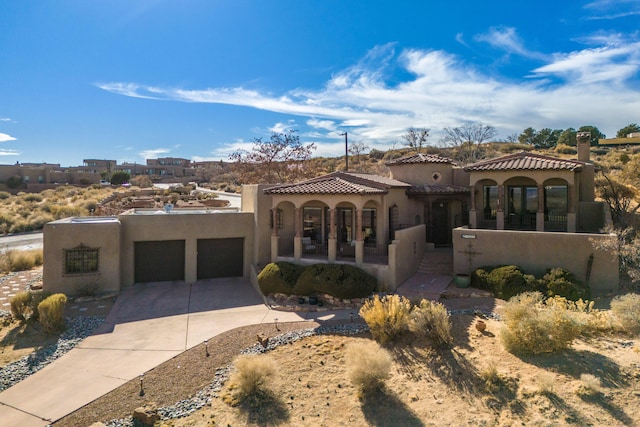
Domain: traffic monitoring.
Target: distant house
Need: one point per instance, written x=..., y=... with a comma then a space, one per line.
x=526, y=209
x=630, y=139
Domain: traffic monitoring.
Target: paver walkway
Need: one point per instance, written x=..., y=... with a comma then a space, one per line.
x=13, y=283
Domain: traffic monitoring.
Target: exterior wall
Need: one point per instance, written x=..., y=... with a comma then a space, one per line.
x=422, y=173
x=103, y=234
x=187, y=227
x=405, y=254
x=259, y=204
x=535, y=252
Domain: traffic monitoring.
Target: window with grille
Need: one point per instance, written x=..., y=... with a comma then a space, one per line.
x=81, y=260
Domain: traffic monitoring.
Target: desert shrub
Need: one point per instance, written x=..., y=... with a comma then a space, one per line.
x=368, y=365
x=51, y=313
x=339, y=280
x=504, y=281
x=21, y=305
x=565, y=149
x=279, y=277
x=387, y=317
x=626, y=311
x=4, y=195
x=33, y=197
x=252, y=374
x=21, y=260
x=589, y=385
x=14, y=182
x=431, y=319
x=558, y=281
x=120, y=178
x=533, y=326
x=489, y=374
x=589, y=320
x=36, y=299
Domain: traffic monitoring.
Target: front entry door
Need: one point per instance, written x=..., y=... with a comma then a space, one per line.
x=441, y=231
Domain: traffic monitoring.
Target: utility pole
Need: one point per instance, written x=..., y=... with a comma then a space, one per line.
x=346, y=152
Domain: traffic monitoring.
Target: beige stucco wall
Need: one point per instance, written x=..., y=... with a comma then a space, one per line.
x=66, y=234
x=257, y=203
x=534, y=252
x=422, y=173
x=187, y=227
x=405, y=254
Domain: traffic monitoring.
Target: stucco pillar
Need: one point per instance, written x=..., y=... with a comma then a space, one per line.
x=332, y=248
x=540, y=213
x=571, y=198
x=274, y=247
x=473, y=197
x=274, y=221
x=571, y=222
x=359, y=241
x=191, y=260
x=297, y=221
x=500, y=210
x=297, y=239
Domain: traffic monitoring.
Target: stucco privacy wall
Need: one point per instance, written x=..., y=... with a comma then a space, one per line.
x=534, y=252
x=187, y=227
x=405, y=254
x=257, y=203
x=93, y=232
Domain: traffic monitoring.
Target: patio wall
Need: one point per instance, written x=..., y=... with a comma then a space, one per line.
x=405, y=254
x=534, y=252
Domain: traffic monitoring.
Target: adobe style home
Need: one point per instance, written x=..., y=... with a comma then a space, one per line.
x=526, y=209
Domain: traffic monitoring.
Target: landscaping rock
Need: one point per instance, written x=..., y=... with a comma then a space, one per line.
x=145, y=416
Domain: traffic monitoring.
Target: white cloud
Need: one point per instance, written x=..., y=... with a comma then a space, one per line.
x=282, y=127
x=507, y=39
x=154, y=153
x=9, y=152
x=596, y=85
x=5, y=137
x=612, y=9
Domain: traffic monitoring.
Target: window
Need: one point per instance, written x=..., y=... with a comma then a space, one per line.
x=490, y=202
x=81, y=260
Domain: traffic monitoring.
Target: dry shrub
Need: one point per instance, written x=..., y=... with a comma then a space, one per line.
x=533, y=326
x=51, y=313
x=589, y=320
x=431, y=319
x=589, y=385
x=21, y=305
x=626, y=311
x=491, y=377
x=387, y=317
x=252, y=375
x=368, y=365
x=21, y=260
x=545, y=382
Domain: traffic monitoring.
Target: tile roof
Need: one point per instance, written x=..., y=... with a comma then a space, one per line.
x=419, y=158
x=438, y=189
x=340, y=183
x=525, y=161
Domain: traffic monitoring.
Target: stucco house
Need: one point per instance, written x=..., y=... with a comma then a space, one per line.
x=526, y=209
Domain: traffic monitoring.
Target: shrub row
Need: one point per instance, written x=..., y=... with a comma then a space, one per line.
x=46, y=308
x=391, y=316
x=20, y=260
x=509, y=280
x=338, y=280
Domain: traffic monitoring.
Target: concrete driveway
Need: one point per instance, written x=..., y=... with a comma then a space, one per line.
x=148, y=325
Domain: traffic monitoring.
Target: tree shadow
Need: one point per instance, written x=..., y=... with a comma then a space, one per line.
x=382, y=408
x=264, y=409
x=605, y=403
x=577, y=362
x=572, y=416
x=454, y=370
x=503, y=392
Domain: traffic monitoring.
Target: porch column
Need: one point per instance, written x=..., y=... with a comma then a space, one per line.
x=540, y=213
x=274, y=235
x=332, y=243
x=359, y=239
x=473, y=218
x=572, y=219
x=500, y=210
x=297, y=240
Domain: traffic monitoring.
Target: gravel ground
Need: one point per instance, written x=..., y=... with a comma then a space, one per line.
x=77, y=329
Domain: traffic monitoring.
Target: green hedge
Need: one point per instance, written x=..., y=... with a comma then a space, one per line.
x=338, y=280
x=507, y=281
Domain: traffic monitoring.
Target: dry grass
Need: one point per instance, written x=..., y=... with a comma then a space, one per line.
x=368, y=365
x=20, y=260
x=431, y=319
x=252, y=375
x=426, y=385
x=387, y=317
x=626, y=311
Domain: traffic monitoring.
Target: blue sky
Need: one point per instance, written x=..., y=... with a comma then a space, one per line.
x=130, y=80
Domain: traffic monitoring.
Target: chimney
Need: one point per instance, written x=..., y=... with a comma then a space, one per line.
x=583, y=140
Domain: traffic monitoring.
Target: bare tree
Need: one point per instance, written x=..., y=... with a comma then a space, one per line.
x=280, y=159
x=416, y=137
x=466, y=140
x=358, y=148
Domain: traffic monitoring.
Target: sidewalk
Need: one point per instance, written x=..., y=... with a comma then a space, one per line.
x=149, y=324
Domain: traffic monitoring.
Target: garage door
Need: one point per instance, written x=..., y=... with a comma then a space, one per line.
x=159, y=261
x=220, y=258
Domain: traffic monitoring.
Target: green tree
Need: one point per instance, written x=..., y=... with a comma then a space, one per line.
x=528, y=136
x=568, y=137
x=119, y=178
x=596, y=135
x=278, y=160
x=416, y=138
x=631, y=128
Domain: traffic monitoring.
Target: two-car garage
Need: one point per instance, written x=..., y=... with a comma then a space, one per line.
x=161, y=261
